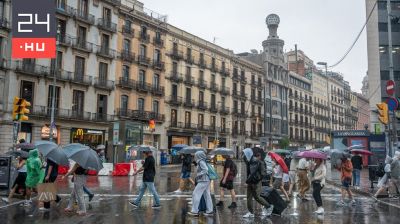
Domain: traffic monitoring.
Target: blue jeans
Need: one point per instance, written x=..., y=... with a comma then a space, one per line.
x=152, y=189
x=86, y=190
x=356, y=177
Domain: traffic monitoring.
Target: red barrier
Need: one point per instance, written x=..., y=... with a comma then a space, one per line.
x=121, y=169
x=92, y=172
x=63, y=170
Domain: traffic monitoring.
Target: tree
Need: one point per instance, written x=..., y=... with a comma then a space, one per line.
x=284, y=143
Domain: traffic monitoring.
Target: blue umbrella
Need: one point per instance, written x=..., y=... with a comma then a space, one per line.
x=222, y=151
x=191, y=150
x=143, y=148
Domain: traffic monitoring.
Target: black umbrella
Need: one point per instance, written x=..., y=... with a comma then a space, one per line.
x=53, y=152
x=25, y=146
x=19, y=153
x=191, y=150
x=87, y=158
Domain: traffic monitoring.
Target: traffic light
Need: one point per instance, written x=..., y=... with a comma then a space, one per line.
x=152, y=124
x=383, y=113
x=20, y=109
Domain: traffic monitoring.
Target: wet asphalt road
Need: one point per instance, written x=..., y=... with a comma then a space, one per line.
x=110, y=205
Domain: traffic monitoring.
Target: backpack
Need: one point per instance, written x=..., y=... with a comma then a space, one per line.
x=255, y=173
x=212, y=174
x=380, y=171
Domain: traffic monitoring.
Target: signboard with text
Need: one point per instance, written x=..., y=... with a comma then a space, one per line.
x=34, y=29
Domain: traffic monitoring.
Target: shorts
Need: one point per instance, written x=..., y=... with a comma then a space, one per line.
x=185, y=175
x=277, y=183
x=20, y=181
x=346, y=182
x=228, y=184
x=292, y=176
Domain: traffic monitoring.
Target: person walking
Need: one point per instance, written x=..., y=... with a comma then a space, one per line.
x=255, y=171
x=346, y=169
x=185, y=173
x=318, y=183
x=77, y=192
x=293, y=175
x=203, y=186
x=19, y=181
x=51, y=174
x=229, y=174
x=149, y=172
x=395, y=171
x=304, y=183
x=34, y=173
x=278, y=180
x=356, y=161
x=383, y=182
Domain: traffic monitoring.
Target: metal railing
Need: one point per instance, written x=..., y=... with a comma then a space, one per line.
x=81, y=44
x=142, y=59
x=189, y=103
x=104, y=84
x=177, y=55
x=189, y=80
x=201, y=105
x=140, y=115
x=128, y=30
x=225, y=90
x=84, y=16
x=175, y=77
x=106, y=52
x=202, y=83
x=224, y=110
x=144, y=37
x=114, y=2
x=189, y=59
x=127, y=56
x=106, y=24
x=69, y=114
x=143, y=87
x=32, y=69
x=82, y=79
x=158, y=41
x=126, y=83
x=214, y=87
x=65, y=9
x=159, y=65
x=174, y=100
x=157, y=90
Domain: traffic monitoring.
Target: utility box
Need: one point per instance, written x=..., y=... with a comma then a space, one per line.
x=5, y=172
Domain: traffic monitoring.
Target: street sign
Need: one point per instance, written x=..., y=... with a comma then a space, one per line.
x=390, y=87
x=392, y=103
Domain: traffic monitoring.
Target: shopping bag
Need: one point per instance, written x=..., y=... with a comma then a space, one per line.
x=46, y=192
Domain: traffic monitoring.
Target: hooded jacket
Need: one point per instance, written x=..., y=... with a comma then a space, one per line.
x=255, y=169
x=34, y=169
x=202, y=169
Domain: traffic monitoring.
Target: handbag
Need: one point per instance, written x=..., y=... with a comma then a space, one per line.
x=46, y=192
x=212, y=174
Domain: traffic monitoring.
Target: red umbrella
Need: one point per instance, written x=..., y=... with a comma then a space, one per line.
x=362, y=152
x=279, y=160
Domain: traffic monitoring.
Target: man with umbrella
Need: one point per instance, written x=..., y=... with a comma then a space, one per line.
x=229, y=174
x=149, y=171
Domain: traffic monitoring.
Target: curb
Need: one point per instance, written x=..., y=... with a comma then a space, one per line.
x=364, y=194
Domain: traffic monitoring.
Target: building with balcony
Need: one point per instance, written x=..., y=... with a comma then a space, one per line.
x=275, y=83
x=322, y=119
x=140, y=74
x=301, y=111
x=204, y=101
x=85, y=78
x=353, y=111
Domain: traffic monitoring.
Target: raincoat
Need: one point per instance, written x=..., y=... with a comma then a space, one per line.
x=34, y=169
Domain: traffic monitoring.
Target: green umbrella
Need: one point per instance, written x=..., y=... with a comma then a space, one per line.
x=282, y=151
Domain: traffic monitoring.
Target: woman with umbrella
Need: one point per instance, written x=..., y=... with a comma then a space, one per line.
x=278, y=171
x=77, y=192
x=21, y=178
x=318, y=182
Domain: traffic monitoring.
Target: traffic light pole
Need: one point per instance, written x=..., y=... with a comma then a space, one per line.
x=391, y=72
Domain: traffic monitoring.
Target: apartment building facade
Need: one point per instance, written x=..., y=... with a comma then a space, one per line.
x=301, y=111
x=84, y=69
x=363, y=112
x=140, y=75
x=322, y=120
x=209, y=94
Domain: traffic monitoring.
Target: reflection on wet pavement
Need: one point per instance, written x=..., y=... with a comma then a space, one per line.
x=112, y=194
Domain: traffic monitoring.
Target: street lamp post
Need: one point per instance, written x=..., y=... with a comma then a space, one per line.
x=328, y=96
x=53, y=98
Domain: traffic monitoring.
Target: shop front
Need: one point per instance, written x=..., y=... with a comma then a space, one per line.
x=175, y=138
x=211, y=145
x=45, y=133
x=89, y=137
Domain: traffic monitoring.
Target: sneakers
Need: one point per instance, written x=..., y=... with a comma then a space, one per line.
x=267, y=211
x=320, y=211
x=304, y=199
x=248, y=215
x=208, y=214
x=193, y=214
x=6, y=200
x=178, y=191
x=43, y=209
x=220, y=204
x=156, y=206
x=353, y=202
x=233, y=205
x=341, y=202
x=91, y=197
x=133, y=204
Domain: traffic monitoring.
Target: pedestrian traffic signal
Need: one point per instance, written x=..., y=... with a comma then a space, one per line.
x=383, y=113
x=20, y=109
x=152, y=124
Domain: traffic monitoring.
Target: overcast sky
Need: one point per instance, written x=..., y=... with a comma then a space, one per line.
x=323, y=29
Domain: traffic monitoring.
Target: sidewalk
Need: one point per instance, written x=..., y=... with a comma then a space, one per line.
x=333, y=177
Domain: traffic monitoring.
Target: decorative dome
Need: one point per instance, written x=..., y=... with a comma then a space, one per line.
x=272, y=19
